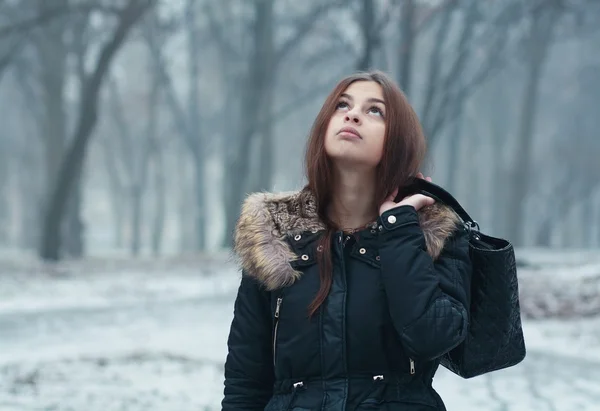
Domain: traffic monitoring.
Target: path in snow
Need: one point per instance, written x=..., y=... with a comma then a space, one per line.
x=167, y=355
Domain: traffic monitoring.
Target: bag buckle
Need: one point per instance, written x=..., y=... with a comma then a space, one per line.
x=473, y=226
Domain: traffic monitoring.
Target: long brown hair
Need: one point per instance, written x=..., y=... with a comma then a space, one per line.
x=403, y=152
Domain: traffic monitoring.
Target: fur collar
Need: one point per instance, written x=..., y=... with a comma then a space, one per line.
x=267, y=218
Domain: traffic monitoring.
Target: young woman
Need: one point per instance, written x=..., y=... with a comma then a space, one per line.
x=348, y=298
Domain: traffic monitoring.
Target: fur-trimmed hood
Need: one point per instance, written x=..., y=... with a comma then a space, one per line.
x=267, y=219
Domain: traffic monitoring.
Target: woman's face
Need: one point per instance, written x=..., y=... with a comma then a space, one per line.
x=355, y=134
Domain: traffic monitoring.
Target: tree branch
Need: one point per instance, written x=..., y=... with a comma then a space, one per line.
x=428, y=17
x=7, y=58
x=304, y=27
x=177, y=112
x=30, y=23
x=218, y=33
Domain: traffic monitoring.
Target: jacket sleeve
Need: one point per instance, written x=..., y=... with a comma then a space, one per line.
x=428, y=300
x=249, y=368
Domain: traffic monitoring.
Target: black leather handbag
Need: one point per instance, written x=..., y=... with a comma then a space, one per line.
x=495, y=337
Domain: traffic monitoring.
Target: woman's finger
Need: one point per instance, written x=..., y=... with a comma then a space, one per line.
x=392, y=196
x=421, y=200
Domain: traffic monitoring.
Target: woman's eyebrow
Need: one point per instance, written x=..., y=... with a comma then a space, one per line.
x=376, y=100
x=371, y=100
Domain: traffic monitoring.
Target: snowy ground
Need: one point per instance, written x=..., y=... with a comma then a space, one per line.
x=150, y=335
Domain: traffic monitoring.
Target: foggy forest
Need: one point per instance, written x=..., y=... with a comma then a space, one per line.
x=132, y=130
x=141, y=126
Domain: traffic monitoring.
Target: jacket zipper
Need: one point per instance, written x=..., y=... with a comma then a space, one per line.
x=345, y=241
x=277, y=308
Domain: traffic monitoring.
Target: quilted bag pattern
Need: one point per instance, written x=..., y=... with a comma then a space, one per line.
x=495, y=337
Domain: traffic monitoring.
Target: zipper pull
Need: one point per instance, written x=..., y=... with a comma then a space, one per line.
x=345, y=241
x=278, y=307
x=412, y=366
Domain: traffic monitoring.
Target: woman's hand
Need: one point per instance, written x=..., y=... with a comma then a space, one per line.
x=416, y=200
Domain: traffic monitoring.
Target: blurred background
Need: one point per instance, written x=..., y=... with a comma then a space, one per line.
x=131, y=131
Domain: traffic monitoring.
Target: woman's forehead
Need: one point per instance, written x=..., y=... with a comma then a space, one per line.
x=364, y=90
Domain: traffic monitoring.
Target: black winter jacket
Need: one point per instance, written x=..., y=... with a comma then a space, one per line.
x=397, y=303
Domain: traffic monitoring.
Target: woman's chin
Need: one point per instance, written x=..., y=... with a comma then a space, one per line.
x=354, y=161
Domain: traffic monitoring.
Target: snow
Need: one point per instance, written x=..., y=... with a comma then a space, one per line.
x=118, y=334
x=559, y=284
x=106, y=283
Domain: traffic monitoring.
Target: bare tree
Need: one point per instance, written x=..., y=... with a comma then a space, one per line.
x=457, y=89
x=539, y=42
x=135, y=147
x=30, y=152
x=160, y=189
x=52, y=52
x=474, y=57
x=252, y=125
x=6, y=56
x=370, y=34
x=185, y=116
x=4, y=188
x=407, y=39
x=73, y=161
x=23, y=20
x=259, y=87
x=116, y=186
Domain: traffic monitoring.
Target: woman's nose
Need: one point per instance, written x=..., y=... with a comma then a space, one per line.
x=352, y=117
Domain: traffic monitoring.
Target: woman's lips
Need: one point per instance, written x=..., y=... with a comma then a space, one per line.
x=350, y=132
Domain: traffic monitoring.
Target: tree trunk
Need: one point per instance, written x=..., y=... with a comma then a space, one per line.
x=5, y=205
x=140, y=177
x=449, y=95
x=454, y=153
x=200, y=206
x=597, y=225
x=433, y=72
x=7, y=56
x=155, y=152
x=458, y=89
x=72, y=165
x=73, y=231
x=539, y=43
x=74, y=228
x=116, y=190
x=137, y=193
x=187, y=124
x=194, y=135
x=184, y=203
x=30, y=162
x=367, y=25
x=30, y=188
x=407, y=40
x=52, y=54
x=160, y=203
x=265, y=164
x=259, y=77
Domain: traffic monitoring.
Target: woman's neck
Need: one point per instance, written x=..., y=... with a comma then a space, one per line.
x=353, y=203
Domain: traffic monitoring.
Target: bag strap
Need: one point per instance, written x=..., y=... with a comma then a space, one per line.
x=441, y=195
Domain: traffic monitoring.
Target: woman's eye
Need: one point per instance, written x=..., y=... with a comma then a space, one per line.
x=341, y=104
x=376, y=110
